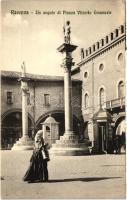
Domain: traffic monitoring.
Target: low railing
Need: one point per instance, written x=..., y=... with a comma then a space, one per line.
x=120, y=102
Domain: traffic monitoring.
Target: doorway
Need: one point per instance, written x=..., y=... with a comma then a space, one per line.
x=102, y=140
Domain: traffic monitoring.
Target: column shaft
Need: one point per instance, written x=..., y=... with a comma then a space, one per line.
x=67, y=98
x=24, y=114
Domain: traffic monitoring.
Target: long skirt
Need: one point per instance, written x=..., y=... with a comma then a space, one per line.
x=36, y=170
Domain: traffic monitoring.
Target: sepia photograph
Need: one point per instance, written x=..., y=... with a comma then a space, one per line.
x=63, y=118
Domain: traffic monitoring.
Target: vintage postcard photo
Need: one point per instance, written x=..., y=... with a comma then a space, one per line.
x=63, y=121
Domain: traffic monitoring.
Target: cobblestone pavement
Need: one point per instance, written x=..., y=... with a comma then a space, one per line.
x=97, y=176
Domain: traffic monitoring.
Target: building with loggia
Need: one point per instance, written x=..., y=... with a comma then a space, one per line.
x=98, y=98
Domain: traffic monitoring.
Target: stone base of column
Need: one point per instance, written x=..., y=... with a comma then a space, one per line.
x=70, y=145
x=24, y=143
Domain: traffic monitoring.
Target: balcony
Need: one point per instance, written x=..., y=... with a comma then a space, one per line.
x=120, y=102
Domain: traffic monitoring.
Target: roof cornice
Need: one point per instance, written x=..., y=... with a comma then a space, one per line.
x=102, y=50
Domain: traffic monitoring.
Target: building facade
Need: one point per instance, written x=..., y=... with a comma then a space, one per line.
x=102, y=71
x=98, y=97
x=45, y=98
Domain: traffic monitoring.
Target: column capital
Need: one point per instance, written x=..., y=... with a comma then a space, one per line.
x=24, y=86
x=67, y=64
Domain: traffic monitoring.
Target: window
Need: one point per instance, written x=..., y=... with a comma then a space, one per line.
x=46, y=99
x=9, y=97
x=28, y=99
x=101, y=67
x=121, y=89
x=101, y=96
x=86, y=75
x=120, y=57
x=86, y=100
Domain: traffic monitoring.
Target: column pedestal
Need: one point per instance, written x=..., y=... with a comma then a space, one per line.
x=24, y=143
x=70, y=145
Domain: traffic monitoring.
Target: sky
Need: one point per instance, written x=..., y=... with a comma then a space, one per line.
x=34, y=38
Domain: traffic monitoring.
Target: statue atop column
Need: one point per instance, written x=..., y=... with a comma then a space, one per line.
x=24, y=84
x=23, y=69
x=67, y=32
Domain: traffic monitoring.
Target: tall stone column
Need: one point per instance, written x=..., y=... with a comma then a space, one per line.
x=24, y=143
x=70, y=143
x=67, y=97
x=24, y=109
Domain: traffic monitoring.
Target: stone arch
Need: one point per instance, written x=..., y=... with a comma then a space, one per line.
x=11, y=127
x=5, y=114
x=118, y=120
x=120, y=129
x=58, y=115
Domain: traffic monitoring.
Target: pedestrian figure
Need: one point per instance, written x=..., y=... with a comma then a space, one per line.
x=117, y=144
x=37, y=171
x=46, y=158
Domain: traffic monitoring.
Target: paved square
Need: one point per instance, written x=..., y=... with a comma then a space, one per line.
x=97, y=176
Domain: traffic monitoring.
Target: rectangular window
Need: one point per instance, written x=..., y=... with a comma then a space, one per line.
x=9, y=97
x=46, y=99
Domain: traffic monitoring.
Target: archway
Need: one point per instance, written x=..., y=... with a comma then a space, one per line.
x=59, y=117
x=85, y=130
x=11, y=129
x=120, y=129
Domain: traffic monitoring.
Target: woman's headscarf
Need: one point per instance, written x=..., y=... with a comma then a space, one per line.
x=38, y=140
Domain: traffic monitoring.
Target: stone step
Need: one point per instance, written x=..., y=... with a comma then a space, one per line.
x=79, y=145
x=69, y=137
x=24, y=144
x=69, y=151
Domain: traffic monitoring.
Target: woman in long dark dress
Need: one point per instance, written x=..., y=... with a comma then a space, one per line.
x=35, y=172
